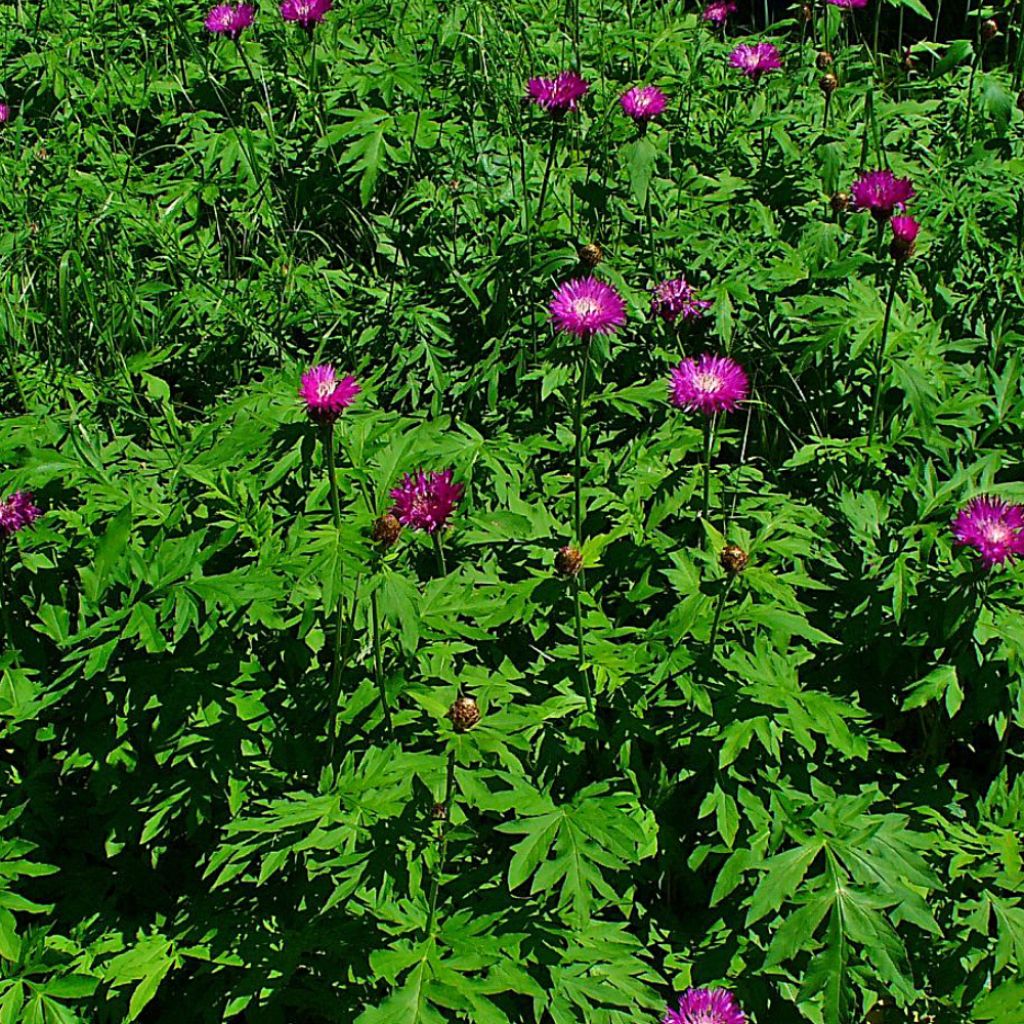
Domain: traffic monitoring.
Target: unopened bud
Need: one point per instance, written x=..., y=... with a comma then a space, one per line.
x=828, y=84
x=840, y=202
x=733, y=559
x=568, y=561
x=385, y=530
x=464, y=714
x=989, y=29
x=824, y=60
x=590, y=254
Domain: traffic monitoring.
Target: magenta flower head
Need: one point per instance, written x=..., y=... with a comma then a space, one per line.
x=706, y=1006
x=643, y=103
x=307, y=13
x=587, y=306
x=881, y=192
x=904, y=236
x=426, y=502
x=16, y=512
x=710, y=384
x=755, y=61
x=849, y=5
x=718, y=11
x=993, y=527
x=325, y=395
x=559, y=94
x=229, y=20
x=5, y=113
x=677, y=298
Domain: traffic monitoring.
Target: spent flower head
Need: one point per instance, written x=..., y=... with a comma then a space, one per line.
x=678, y=298
x=425, y=502
x=17, y=512
x=325, y=394
x=710, y=384
x=993, y=527
x=643, y=103
x=706, y=1006
x=881, y=192
x=559, y=94
x=755, y=60
x=587, y=306
x=306, y=13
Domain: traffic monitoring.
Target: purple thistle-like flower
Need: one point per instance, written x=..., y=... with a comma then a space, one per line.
x=905, y=229
x=558, y=94
x=755, y=61
x=306, y=12
x=881, y=192
x=706, y=1006
x=5, y=113
x=326, y=396
x=710, y=384
x=426, y=502
x=718, y=11
x=16, y=512
x=849, y=5
x=678, y=298
x=993, y=527
x=229, y=20
x=587, y=306
x=643, y=103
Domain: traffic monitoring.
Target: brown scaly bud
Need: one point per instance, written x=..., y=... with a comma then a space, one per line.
x=908, y=62
x=568, y=561
x=807, y=12
x=824, y=60
x=464, y=714
x=733, y=559
x=590, y=254
x=439, y=812
x=989, y=30
x=828, y=84
x=840, y=202
x=385, y=530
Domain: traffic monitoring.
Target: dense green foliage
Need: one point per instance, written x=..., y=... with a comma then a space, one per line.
x=803, y=782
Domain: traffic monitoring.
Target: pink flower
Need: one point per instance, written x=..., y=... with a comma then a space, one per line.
x=426, y=502
x=587, y=306
x=677, y=298
x=710, y=384
x=993, y=527
x=904, y=236
x=643, y=103
x=718, y=11
x=325, y=395
x=849, y=5
x=558, y=94
x=16, y=512
x=881, y=192
x=756, y=60
x=228, y=20
x=706, y=1006
x=306, y=12
x=5, y=113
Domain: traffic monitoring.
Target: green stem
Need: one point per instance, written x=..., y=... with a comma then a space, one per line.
x=439, y=551
x=435, y=882
x=708, y=425
x=650, y=233
x=588, y=692
x=718, y=616
x=378, y=662
x=5, y=589
x=880, y=354
x=581, y=397
x=966, y=140
x=340, y=658
x=332, y=474
x=547, y=173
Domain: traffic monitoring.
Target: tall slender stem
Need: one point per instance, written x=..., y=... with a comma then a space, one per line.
x=5, y=589
x=340, y=658
x=439, y=551
x=708, y=427
x=435, y=882
x=966, y=140
x=718, y=616
x=332, y=474
x=880, y=353
x=378, y=670
x=552, y=145
x=587, y=690
x=650, y=233
x=581, y=397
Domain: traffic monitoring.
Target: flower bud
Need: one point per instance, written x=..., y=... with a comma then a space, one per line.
x=568, y=561
x=840, y=202
x=806, y=12
x=733, y=559
x=590, y=254
x=989, y=29
x=824, y=60
x=464, y=714
x=904, y=237
x=828, y=84
x=385, y=530
x=439, y=812
x=908, y=61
